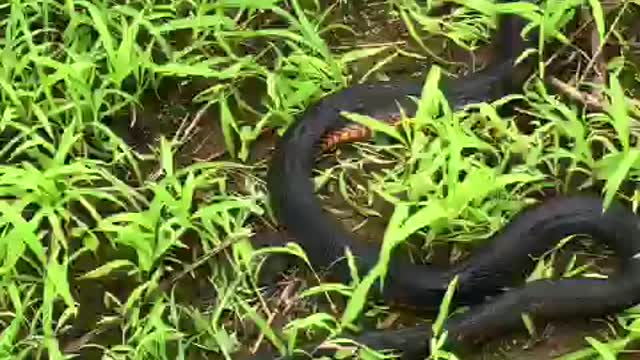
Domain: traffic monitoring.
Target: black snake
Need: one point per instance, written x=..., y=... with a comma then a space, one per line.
x=505, y=259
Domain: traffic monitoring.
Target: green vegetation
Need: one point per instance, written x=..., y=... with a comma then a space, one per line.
x=126, y=232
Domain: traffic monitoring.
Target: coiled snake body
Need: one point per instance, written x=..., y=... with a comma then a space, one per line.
x=508, y=256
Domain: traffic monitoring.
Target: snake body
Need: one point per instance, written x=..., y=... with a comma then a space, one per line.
x=506, y=258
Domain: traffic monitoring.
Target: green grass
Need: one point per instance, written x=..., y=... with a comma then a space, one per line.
x=108, y=249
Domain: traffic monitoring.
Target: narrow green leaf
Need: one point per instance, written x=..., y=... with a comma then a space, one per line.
x=443, y=311
x=618, y=111
x=229, y=126
x=106, y=269
x=166, y=157
x=618, y=175
x=598, y=17
x=604, y=350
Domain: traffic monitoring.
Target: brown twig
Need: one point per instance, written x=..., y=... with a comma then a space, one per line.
x=588, y=100
x=165, y=284
x=594, y=103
